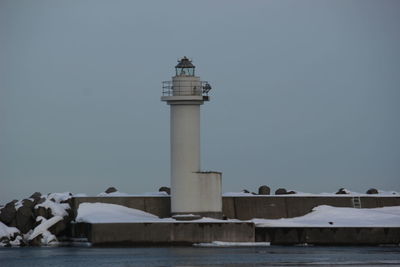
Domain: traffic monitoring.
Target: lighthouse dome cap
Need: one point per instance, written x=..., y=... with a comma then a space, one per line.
x=185, y=63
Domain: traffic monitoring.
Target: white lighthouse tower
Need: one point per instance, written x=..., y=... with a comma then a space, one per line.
x=192, y=191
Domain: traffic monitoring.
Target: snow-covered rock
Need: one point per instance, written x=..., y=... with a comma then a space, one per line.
x=57, y=209
x=9, y=236
x=60, y=197
x=41, y=234
x=38, y=219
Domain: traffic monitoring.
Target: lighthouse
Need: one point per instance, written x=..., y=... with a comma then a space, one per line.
x=193, y=192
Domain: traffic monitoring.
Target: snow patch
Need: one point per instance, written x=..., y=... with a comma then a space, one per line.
x=58, y=197
x=16, y=242
x=80, y=195
x=156, y=194
x=113, y=194
x=18, y=204
x=57, y=209
x=6, y=231
x=232, y=244
x=112, y=213
x=238, y=194
x=42, y=229
x=121, y=194
x=328, y=216
x=388, y=193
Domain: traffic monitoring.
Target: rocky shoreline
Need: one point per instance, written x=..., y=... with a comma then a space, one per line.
x=35, y=221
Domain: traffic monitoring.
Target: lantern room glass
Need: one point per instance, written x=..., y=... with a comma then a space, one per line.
x=184, y=71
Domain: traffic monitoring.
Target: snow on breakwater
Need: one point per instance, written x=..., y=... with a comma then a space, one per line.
x=328, y=216
x=112, y=213
x=232, y=244
x=321, y=216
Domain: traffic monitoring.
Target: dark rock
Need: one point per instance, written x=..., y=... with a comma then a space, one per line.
x=40, y=201
x=246, y=191
x=36, y=195
x=42, y=211
x=37, y=241
x=291, y=192
x=59, y=227
x=165, y=189
x=13, y=223
x=281, y=191
x=372, y=191
x=111, y=190
x=28, y=203
x=37, y=198
x=264, y=190
x=8, y=212
x=25, y=219
x=342, y=191
x=69, y=210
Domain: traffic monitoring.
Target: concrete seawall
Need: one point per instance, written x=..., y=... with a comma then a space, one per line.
x=245, y=208
x=328, y=235
x=242, y=208
x=163, y=233
x=275, y=207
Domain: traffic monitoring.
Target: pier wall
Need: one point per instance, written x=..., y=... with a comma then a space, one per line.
x=245, y=208
x=328, y=235
x=163, y=233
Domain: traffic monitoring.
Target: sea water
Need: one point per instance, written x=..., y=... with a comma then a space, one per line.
x=199, y=256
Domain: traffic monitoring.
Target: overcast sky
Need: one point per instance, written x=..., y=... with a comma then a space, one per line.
x=305, y=93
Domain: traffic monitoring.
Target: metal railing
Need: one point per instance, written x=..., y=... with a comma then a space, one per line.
x=200, y=88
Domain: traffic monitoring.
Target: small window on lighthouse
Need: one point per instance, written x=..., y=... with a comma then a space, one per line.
x=184, y=67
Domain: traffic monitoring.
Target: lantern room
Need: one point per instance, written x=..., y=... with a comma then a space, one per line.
x=184, y=67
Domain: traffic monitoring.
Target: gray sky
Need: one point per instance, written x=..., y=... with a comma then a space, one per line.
x=306, y=93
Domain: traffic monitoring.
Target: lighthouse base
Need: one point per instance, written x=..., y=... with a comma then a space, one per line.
x=202, y=196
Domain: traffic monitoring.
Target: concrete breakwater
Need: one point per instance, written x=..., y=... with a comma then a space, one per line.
x=246, y=208
x=328, y=235
x=163, y=233
x=186, y=233
x=242, y=208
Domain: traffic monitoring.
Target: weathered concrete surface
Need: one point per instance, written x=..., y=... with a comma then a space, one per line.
x=245, y=208
x=274, y=207
x=163, y=233
x=328, y=236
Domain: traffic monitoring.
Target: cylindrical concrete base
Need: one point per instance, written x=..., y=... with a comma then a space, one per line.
x=185, y=156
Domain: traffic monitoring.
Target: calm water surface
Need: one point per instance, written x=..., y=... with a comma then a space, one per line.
x=197, y=256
